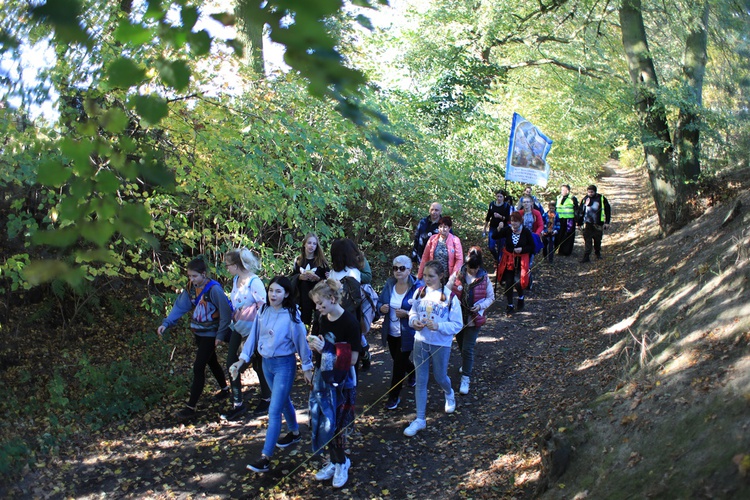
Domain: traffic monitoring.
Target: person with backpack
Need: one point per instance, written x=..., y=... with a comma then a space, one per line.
x=278, y=335
x=396, y=334
x=211, y=313
x=349, y=266
x=595, y=215
x=498, y=211
x=474, y=290
x=248, y=295
x=435, y=316
x=334, y=384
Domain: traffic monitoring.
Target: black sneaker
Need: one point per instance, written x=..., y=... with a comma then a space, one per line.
x=260, y=465
x=262, y=407
x=520, y=304
x=585, y=259
x=290, y=438
x=598, y=256
x=509, y=310
x=235, y=413
x=185, y=414
x=393, y=403
x=222, y=395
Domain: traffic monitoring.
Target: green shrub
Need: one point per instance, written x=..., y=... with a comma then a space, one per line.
x=14, y=455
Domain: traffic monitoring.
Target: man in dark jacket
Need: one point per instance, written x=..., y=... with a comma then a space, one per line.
x=594, y=215
x=426, y=228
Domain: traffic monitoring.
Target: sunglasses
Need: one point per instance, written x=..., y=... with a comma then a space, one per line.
x=400, y=268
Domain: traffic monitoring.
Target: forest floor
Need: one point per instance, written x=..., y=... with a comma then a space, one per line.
x=534, y=371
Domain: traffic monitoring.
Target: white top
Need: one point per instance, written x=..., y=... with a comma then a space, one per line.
x=247, y=299
x=446, y=314
x=397, y=299
x=348, y=271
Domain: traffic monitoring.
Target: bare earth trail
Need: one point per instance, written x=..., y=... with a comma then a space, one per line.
x=538, y=366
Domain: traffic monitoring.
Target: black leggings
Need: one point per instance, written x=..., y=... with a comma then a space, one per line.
x=205, y=354
x=233, y=355
x=401, y=365
x=508, y=283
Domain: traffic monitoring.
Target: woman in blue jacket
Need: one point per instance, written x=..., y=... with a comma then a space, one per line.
x=211, y=313
x=395, y=303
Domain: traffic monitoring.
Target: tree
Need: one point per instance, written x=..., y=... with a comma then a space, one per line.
x=579, y=45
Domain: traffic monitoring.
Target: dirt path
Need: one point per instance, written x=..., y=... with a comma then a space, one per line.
x=541, y=365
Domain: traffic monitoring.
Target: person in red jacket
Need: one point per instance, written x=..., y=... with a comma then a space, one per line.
x=534, y=222
x=519, y=245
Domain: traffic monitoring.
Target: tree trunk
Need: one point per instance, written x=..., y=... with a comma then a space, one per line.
x=687, y=132
x=655, y=136
x=251, y=35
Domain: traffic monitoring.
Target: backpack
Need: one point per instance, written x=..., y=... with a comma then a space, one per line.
x=369, y=307
x=204, y=311
x=351, y=296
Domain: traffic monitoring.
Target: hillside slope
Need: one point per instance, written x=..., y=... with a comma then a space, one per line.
x=677, y=423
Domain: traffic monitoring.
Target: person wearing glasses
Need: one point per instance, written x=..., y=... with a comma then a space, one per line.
x=248, y=296
x=396, y=334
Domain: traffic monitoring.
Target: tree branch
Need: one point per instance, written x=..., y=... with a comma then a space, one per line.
x=593, y=73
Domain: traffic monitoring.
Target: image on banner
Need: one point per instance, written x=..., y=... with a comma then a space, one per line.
x=527, y=153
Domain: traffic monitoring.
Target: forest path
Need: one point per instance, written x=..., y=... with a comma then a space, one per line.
x=540, y=365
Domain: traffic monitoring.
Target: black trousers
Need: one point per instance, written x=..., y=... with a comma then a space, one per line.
x=565, y=239
x=205, y=354
x=592, y=237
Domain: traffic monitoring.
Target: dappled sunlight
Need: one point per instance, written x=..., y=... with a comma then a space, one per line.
x=605, y=355
x=674, y=362
x=621, y=325
x=524, y=469
x=489, y=340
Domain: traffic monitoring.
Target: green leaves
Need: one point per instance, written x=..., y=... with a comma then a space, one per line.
x=151, y=107
x=175, y=74
x=124, y=73
x=64, y=16
x=52, y=173
x=135, y=34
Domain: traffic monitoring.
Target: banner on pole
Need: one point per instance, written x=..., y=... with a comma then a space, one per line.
x=527, y=153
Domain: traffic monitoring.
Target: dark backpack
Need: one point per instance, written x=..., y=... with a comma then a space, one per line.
x=351, y=296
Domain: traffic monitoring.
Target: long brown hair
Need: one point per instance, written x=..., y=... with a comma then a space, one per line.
x=319, y=260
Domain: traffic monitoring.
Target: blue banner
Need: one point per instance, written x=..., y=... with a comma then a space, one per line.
x=527, y=153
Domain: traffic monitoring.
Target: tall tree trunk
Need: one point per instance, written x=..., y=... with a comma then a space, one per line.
x=687, y=133
x=657, y=144
x=251, y=35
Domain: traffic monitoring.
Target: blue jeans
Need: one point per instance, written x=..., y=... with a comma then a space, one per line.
x=424, y=355
x=467, y=339
x=279, y=374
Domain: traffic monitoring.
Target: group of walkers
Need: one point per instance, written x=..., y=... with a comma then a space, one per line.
x=317, y=313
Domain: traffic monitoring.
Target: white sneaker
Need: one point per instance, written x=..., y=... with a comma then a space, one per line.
x=341, y=474
x=326, y=472
x=464, y=385
x=450, y=402
x=414, y=427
